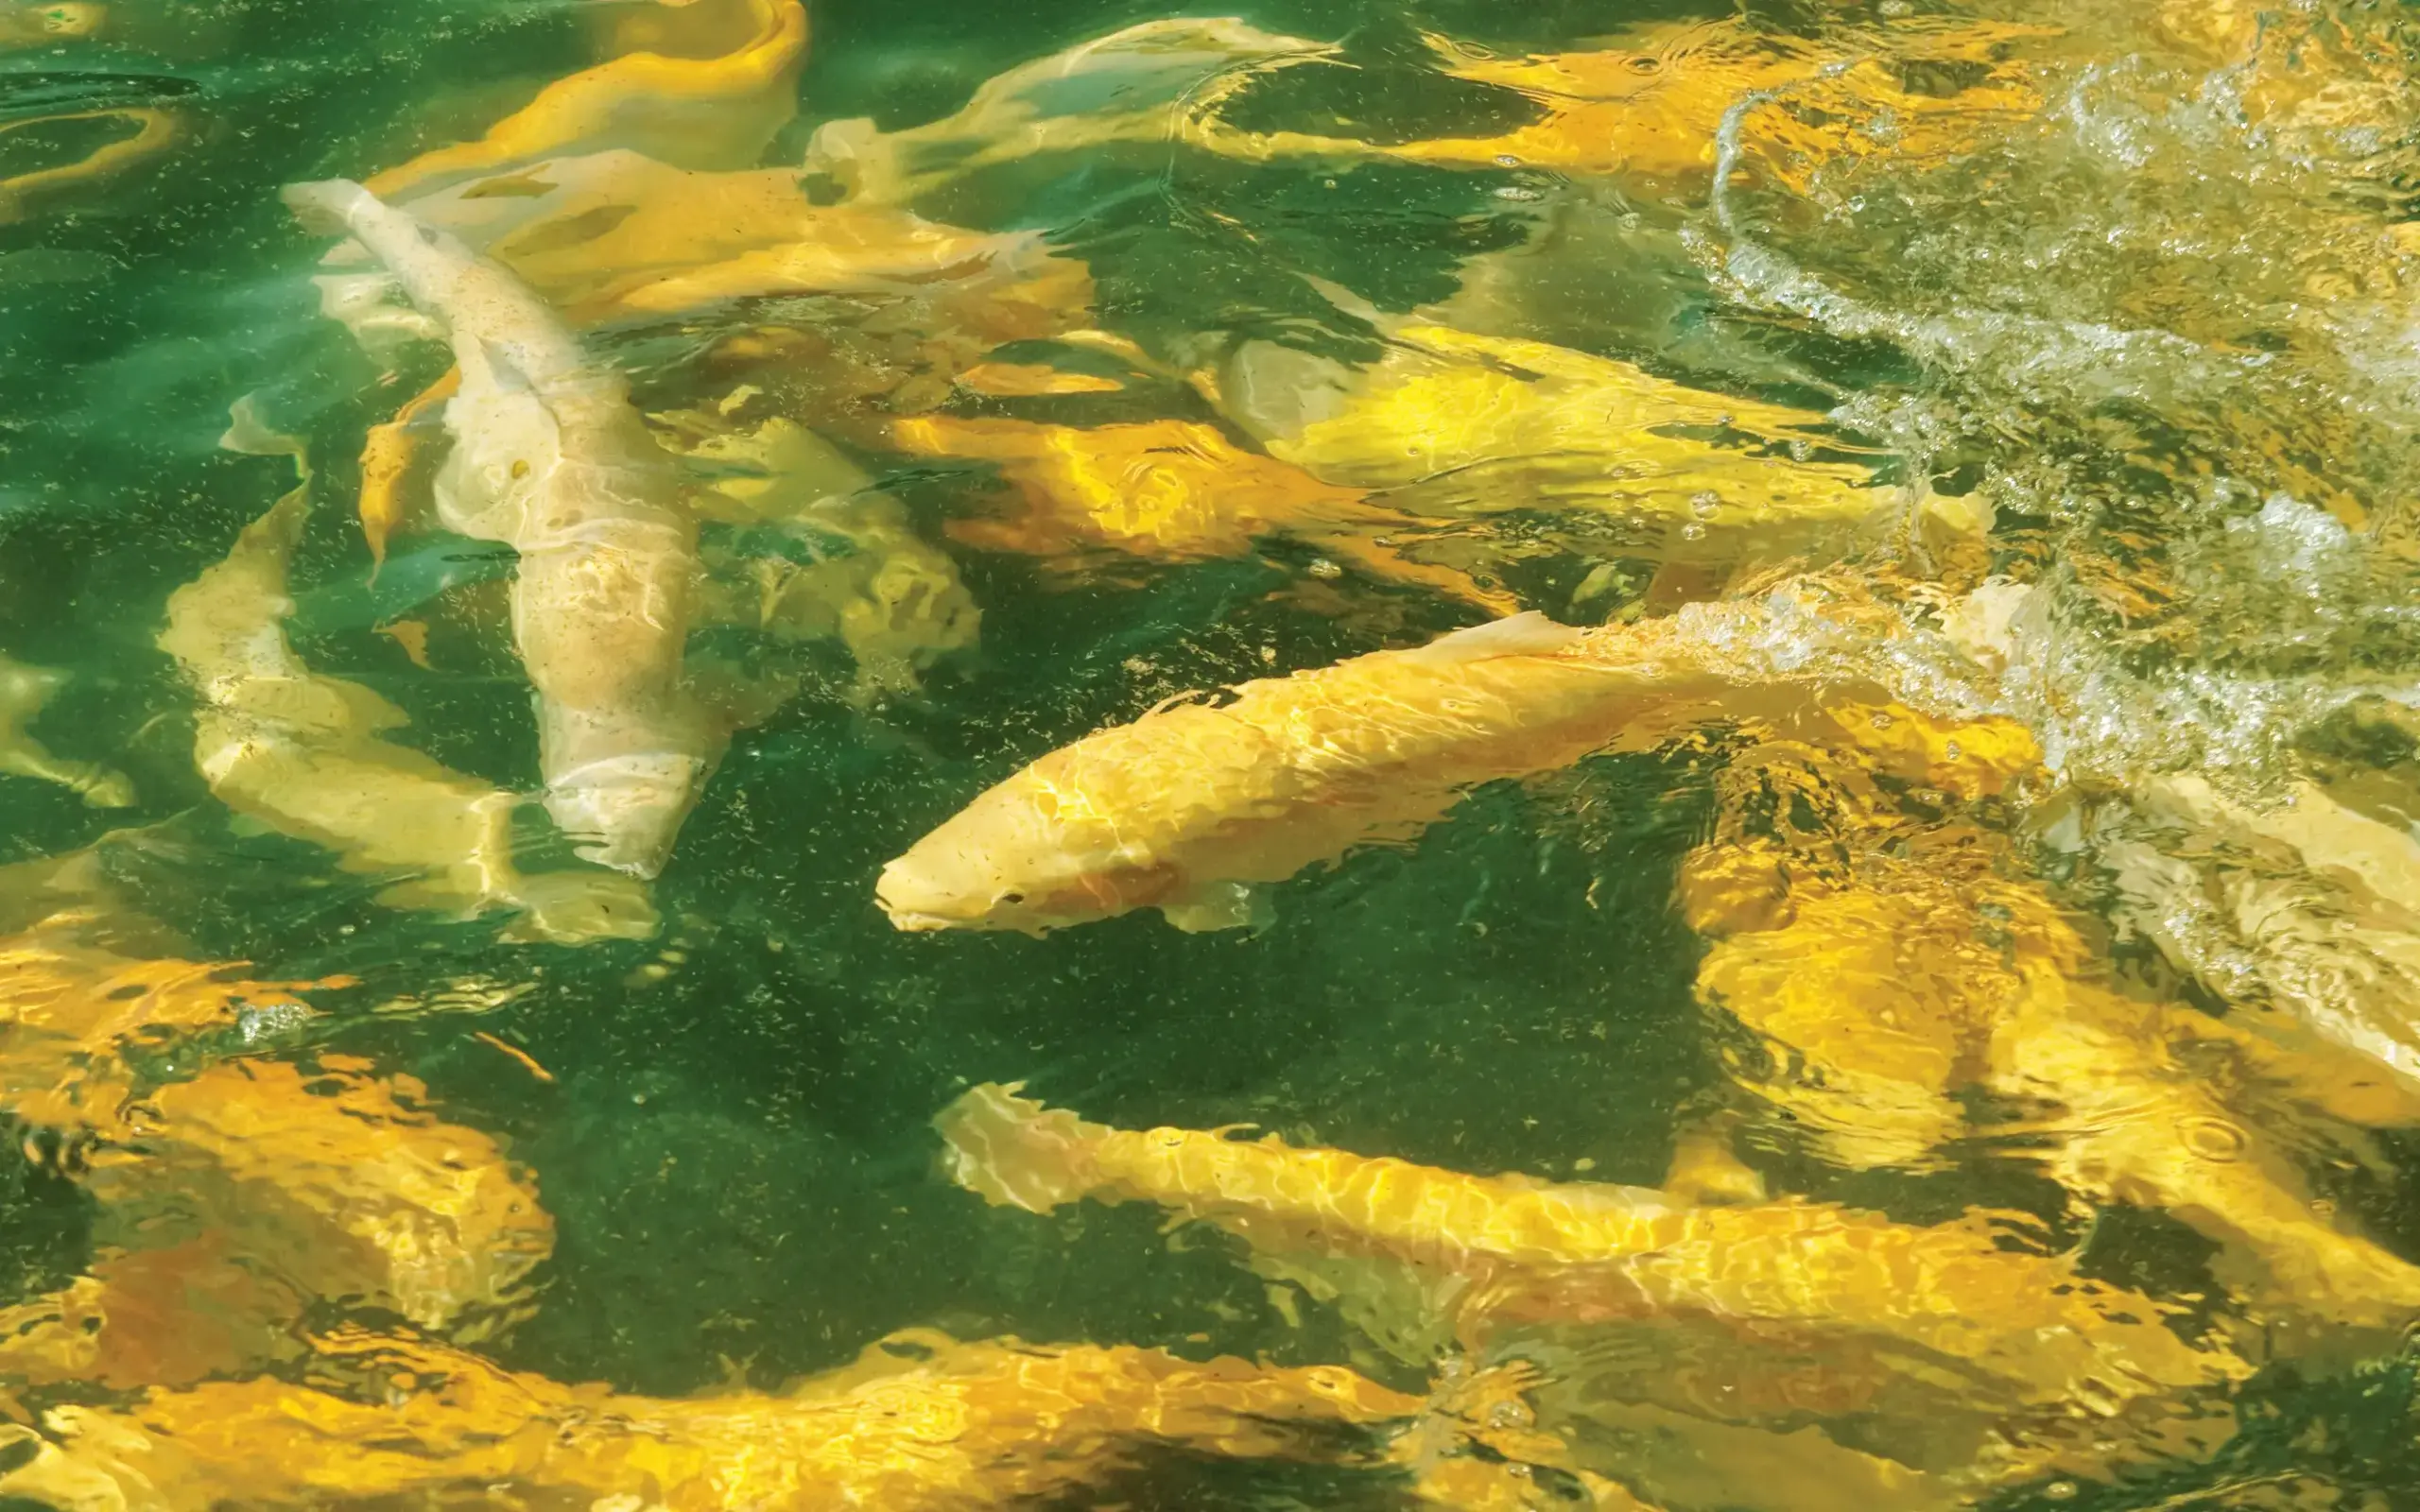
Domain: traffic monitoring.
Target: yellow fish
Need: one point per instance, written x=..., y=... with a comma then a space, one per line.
x=1455, y=424
x=716, y=112
x=922, y=1423
x=1170, y=490
x=1190, y=806
x=1902, y=1322
x=1651, y=108
x=24, y=692
x=153, y=131
x=304, y=755
x=1894, y=962
x=336, y=1180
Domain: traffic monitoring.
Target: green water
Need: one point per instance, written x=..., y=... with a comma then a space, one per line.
x=735, y=1143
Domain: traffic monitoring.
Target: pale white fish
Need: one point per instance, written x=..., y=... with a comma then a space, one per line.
x=551, y=457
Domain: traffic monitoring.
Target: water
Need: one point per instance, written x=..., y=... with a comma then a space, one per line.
x=2002, y=964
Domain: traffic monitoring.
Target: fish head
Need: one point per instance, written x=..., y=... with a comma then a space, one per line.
x=1014, y=859
x=627, y=808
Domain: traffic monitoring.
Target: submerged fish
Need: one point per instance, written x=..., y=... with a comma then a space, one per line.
x=704, y=112
x=920, y=1423
x=305, y=755
x=24, y=690
x=1187, y=808
x=550, y=456
x=1168, y=490
x=1906, y=1326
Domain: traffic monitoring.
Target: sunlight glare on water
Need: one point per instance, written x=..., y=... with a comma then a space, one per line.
x=1397, y=753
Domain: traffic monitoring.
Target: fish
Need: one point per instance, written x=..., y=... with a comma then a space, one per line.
x=703, y=112
x=1456, y=423
x=1190, y=807
x=155, y=129
x=305, y=755
x=1171, y=490
x=921, y=1422
x=1144, y=86
x=1648, y=108
x=336, y=1180
x=1897, y=962
x=1907, y=1323
x=388, y=453
x=551, y=457
x=24, y=693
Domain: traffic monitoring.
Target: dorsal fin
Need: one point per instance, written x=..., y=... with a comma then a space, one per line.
x=1529, y=633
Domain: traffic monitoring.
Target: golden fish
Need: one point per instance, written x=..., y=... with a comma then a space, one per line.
x=336, y=1180
x=302, y=753
x=76, y=1012
x=1146, y=85
x=1650, y=108
x=388, y=453
x=717, y=113
x=1171, y=490
x=1911, y=1325
x=1188, y=807
x=550, y=456
x=612, y=235
x=893, y=599
x=1892, y=964
x=921, y=1422
x=24, y=692
x=1653, y=108
x=154, y=130
x=1454, y=424
x=162, y=1315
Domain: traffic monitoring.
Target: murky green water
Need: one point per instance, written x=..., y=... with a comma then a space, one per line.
x=2123, y=296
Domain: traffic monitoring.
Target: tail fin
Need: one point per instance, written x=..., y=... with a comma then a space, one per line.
x=1013, y=1152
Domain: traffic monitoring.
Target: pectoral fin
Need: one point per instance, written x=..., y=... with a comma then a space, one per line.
x=1215, y=905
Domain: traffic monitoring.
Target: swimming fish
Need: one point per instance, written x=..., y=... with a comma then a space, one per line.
x=1909, y=1323
x=1171, y=490
x=388, y=453
x=305, y=755
x=1897, y=962
x=710, y=113
x=920, y=1423
x=336, y=1180
x=24, y=692
x=1455, y=424
x=551, y=457
x=1190, y=806
x=1145, y=86
x=846, y=563
x=154, y=130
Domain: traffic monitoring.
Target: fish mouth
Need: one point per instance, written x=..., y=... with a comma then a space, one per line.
x=908, y=921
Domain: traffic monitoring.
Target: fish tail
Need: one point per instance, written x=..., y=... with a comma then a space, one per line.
x=1013, y=1152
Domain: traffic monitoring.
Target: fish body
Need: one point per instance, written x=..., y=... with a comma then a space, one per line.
x=1188, y=807
x=550, y=456
x=305, y=755
x=1824, y=1310
x=702, y=112
x=922, y=1423
x=24, y=690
